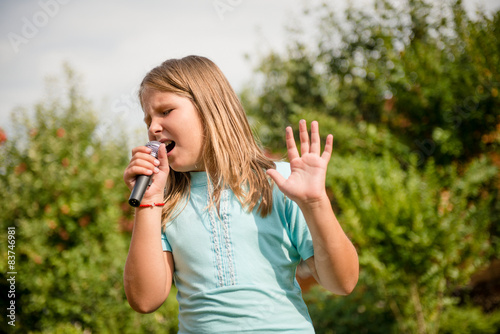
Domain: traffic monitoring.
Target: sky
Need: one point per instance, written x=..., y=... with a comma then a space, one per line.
x=112, y=44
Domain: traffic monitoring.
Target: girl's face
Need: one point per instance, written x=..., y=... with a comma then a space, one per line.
x=174, y=120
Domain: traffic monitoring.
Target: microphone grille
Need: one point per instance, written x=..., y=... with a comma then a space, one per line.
x=154, y=146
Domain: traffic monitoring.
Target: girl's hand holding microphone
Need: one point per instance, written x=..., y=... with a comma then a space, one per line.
x=143, y=163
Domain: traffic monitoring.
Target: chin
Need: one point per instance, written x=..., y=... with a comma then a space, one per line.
x=189, y=166
x=182, y=169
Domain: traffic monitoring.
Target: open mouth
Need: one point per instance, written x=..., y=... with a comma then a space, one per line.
x=169, y=146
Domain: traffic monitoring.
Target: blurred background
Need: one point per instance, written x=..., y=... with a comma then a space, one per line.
x=408, y=88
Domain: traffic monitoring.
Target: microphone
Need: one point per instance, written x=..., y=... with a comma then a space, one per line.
x=142, y=182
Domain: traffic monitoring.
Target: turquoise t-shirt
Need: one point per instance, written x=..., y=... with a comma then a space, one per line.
x=236, y=273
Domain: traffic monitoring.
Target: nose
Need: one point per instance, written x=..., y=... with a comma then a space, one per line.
x=155, y=127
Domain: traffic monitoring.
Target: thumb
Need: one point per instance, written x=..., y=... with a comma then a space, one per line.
x=162, y=157
x=276, y=176
x=157, y=187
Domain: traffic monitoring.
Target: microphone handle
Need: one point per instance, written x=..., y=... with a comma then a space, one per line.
x=142, y=183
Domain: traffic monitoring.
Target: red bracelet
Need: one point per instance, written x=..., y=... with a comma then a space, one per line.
x=151, y=205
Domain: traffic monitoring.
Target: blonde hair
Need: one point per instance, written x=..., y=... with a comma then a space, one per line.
x=231, y=155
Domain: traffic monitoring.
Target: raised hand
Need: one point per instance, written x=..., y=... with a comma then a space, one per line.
x=306, y=183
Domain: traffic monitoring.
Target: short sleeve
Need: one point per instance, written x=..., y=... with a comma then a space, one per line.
x=164, y=243
x=298, y=230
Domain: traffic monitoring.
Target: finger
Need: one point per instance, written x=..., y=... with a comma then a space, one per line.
x=131, y=173
x=304, y=137
x=292, y=151
x=142, y=164
x=141, y=149
x=327, y=153
x=134, y=171
x=145, y=157
x=315, y=140
x=162, y=157
x=276, y=176
x=143, y=153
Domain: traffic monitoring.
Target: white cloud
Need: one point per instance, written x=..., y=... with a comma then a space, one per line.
x=113, y=43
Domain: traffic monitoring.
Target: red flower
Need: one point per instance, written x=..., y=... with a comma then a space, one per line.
x=3, y=136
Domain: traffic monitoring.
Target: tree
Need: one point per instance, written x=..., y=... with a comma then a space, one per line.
x=65, y=200
x=411, y=95
x=427, y=72
x=419, y=235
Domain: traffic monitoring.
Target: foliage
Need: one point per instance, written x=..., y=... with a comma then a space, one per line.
x=410, y=91
x=418, y=234
x=429, y=73
x=350, y=314
x=65, y=200
x=465, y=320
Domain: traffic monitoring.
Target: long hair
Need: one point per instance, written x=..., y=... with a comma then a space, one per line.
x=230, y=153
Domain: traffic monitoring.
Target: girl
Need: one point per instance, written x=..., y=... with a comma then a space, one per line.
x=223, y=221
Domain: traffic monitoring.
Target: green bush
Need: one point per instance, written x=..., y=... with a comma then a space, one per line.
x=465, y=320
x=68, y=204
x=363, y=311
x=426, y=71
x=417, y=234
x=410, y=92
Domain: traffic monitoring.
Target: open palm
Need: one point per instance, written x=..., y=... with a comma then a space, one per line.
x=306, y=182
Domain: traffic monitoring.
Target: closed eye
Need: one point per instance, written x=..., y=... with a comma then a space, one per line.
x=147, y=120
